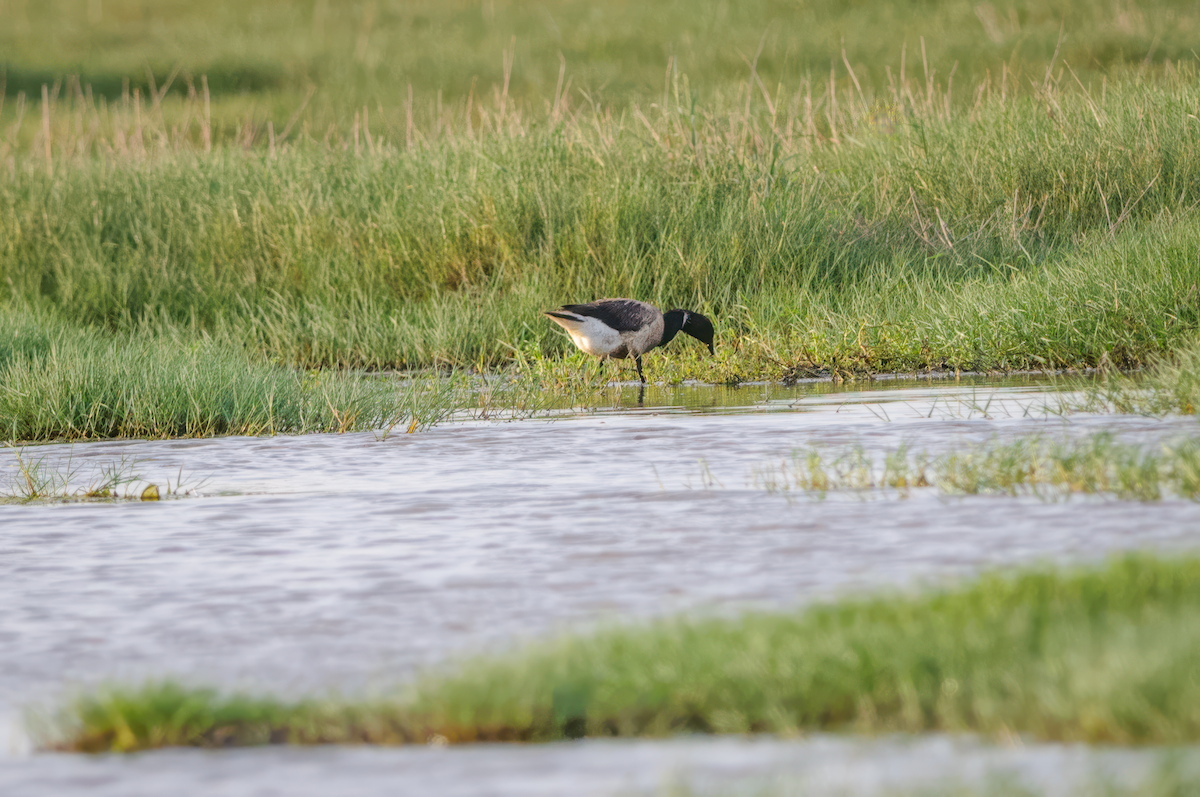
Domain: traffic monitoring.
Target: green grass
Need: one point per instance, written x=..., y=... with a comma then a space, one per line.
x=34, y=478
x=60, y=382
x=1048, y=232
x=1097, y=655
x=1037, y=211
x=1171, y=385
x=1051, y=469
x=261, y=57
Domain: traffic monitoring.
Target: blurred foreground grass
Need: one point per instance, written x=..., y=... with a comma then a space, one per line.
x=1106, y=654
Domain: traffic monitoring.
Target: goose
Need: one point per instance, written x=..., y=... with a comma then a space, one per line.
x=620, y=328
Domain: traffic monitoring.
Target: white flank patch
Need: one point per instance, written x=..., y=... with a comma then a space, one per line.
x=590, y=334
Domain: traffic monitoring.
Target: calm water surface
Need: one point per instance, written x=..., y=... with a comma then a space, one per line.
x=343, y=562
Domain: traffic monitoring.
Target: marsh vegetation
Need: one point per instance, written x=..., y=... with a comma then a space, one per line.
x=59, y=381
x=991, y=237
x=279, y=218
x=987, y=188
x=1099, y=655
x=1032, y=465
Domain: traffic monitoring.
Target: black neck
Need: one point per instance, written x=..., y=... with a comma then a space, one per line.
x=672, y=323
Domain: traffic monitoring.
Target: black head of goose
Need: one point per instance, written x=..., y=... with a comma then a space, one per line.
x=620, y=328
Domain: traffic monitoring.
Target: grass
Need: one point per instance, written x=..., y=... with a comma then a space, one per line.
x=1105, y=654
x=60, y=382
x=968, y=187
x=36, y=478
x=1045, y=232
x=1170, y=386
x=1094, y=465
x=260, y=59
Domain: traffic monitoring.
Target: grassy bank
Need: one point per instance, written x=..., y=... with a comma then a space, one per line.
x=1101, y=655
x=58, y=381
x=1053, y=229
x=985, y=187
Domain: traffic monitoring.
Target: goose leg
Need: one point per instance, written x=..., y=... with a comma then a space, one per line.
x=641, y=376
x=597, y=372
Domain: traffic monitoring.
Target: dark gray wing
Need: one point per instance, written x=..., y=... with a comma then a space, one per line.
x=623, y=315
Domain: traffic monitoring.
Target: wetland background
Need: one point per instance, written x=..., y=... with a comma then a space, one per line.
x=244, y=220
x=847, y=189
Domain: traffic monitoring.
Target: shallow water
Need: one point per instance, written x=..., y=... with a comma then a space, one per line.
x=324, y=562
x=759, y=767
